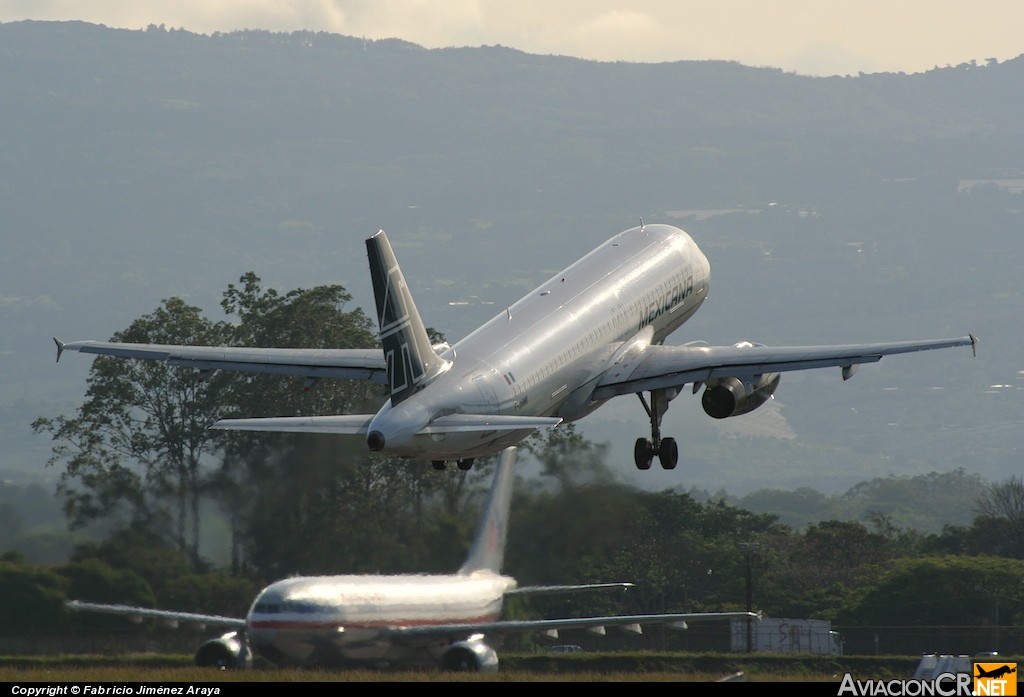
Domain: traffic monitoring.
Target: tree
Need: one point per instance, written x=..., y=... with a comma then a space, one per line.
x=134, y=454
x=939, y=597
x=33, y=596
x=569, y=458
x=94, y=580
x=998, y=527
x=355, y=512
x=814, y=572
x=140, y=453
x=258, y=468
x=140, y=552
x=301, y=318
x=1001, y=512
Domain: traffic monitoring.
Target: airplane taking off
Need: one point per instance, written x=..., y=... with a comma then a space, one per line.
x=451, y=621
x=592, y=332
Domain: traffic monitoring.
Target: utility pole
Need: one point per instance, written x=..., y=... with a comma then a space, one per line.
x=995, y=614
x=749, y=549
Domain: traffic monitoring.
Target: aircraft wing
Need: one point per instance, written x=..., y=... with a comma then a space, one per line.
x=167, y=616
x=595, y=624
x=659, y=367
x=559, y=590
x=354, y=364
x=356, y=424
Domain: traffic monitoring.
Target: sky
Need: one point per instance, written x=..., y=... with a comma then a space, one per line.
x=809, y=37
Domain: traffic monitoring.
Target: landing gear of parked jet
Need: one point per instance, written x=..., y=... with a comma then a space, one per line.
x=464, y=465
x=665, y=449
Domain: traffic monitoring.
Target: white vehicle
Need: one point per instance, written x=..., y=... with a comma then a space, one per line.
x=778, y=635
x=592, y=332
x=447, y=620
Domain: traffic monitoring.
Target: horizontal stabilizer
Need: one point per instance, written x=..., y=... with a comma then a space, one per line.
x=345, y=424
x=465, y=423
x=357, y=424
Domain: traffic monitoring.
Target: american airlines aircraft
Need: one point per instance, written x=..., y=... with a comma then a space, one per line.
x=450, y=621
x=592, y=332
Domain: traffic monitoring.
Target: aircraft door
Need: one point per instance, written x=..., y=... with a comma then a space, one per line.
x=488, y=395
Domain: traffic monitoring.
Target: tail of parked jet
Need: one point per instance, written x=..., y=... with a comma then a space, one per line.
x=488, y=550
x=411, y=361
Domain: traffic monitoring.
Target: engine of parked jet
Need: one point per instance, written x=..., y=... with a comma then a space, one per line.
x=229, y=651
x=470, y=656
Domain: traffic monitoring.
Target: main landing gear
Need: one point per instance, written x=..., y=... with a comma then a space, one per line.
x=665, y=449
x=464, y=465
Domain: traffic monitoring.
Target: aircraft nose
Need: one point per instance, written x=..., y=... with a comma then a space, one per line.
x=375, y=441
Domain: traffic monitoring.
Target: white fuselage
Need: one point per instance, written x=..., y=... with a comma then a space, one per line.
x=544, y=355
x=325, y=620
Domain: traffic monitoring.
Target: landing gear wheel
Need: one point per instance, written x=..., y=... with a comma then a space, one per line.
x=668, y=453
x=465, y=465
x=438, y=465
x=643, y=453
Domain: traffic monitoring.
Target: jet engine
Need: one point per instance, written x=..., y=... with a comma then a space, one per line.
x=469, y=656
x=734, y=396
x=229, y=651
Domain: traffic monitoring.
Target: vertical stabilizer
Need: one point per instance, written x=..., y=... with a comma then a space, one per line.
x=411, y=360
x=488, y=550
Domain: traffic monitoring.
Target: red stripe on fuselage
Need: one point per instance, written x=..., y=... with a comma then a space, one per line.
x=383, y=624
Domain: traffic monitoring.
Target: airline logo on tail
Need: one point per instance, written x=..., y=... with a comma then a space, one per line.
x=403, y=371
x=409, y=357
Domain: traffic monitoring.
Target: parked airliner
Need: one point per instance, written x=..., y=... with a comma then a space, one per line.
x=592, y=332
x=451, y=621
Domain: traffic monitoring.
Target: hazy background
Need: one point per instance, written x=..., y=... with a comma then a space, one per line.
x=142, y=164
x=839, y=37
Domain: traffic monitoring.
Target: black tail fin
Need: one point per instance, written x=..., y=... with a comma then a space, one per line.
x=411, y=361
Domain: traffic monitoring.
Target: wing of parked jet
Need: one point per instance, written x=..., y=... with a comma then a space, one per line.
x=649, y=367
x=559, y=590
x=597, y=624
x=355, y=364
x=551, y=626
x=167, y=616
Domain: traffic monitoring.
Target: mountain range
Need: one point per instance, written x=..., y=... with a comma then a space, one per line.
x=140, y=165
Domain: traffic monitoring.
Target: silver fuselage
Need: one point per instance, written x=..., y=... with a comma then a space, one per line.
x=543, y=355
x=329, y=620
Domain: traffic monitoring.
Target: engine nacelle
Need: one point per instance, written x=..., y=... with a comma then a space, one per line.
x=228, y=652
x=732, y=396
x=470, y=656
